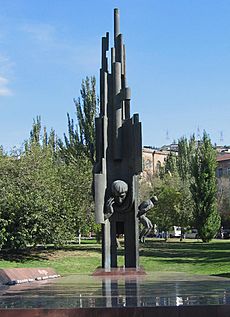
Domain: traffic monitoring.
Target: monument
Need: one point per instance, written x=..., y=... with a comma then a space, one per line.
x=159, y=294
x=118, y=157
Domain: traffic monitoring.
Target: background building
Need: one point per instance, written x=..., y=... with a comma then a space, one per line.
x=223, y=167
x=153, y=160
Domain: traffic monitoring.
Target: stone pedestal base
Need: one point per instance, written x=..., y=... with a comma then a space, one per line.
x=119, y=271
x=25, y=275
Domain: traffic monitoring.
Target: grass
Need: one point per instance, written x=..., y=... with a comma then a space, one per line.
x=189, y=256
x=155, y=255
x=70, y=259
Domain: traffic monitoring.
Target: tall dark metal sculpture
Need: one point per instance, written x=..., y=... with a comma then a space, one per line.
x=118, y=157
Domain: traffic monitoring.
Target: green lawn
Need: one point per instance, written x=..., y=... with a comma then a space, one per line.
x=188, y=256
x=155, y=255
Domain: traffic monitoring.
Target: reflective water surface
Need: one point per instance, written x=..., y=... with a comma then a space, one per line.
x=158, y=289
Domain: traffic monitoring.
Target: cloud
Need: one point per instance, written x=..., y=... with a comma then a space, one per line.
x=6, y=67
x=40, y=32
x=4, y=90
x=59, y=48
x=5, y=70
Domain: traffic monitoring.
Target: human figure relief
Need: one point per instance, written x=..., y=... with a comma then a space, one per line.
x=119, y=193
x=145, y=206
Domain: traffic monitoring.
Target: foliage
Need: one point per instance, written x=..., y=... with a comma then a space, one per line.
x=183, y=160
x=167, y=209
x=204, y=189
x=43, y=199
x=45, y=187
x=81, y=138
x=187, y=189
x=170, y=166
x=181, y=163
x=175, y=203
x=30, y=199
x=175, y=206
x=76, y=189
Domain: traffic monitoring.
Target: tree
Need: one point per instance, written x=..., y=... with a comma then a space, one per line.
x=204, y=190
x=31, y=200
x=165, y=213
x=76, y=190
x=180, y=163
x=170, y=166
x=81, y=137
x=174, y=201
x=78, y=147
x=175, y=204
x=183, y=159
x=3, y=222
x=42, y=198
x=179, y=168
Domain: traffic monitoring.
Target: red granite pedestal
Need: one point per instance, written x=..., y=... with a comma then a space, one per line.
x=25, y=275
x=120, y=272
x=197, y=311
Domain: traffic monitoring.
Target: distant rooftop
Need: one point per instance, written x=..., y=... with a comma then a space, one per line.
x=223, y=157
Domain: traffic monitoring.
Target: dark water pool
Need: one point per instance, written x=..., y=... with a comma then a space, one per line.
x=158, y=289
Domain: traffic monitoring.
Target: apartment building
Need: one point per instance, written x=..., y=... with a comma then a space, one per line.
x=223, y=168
x=153, y=160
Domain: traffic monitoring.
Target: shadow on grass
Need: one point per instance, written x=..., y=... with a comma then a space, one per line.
x=167, y=252
x=187, y=252
x=197, y=245
x=22, y=256
x=227, y=275
x=81, y=247
x=42, y=253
